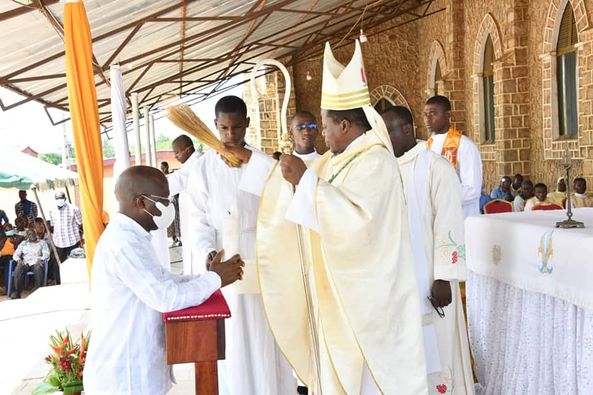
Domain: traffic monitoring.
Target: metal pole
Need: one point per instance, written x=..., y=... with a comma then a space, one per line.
x=153, y=140
x=51, y=240
x=136, y=119
x=147, y=135
x=68, y=194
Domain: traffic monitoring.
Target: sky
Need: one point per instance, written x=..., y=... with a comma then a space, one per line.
x=29, y=125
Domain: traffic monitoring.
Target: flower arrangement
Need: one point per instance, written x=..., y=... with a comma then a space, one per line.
x=67, y=364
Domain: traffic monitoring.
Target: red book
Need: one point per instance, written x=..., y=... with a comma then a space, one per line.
x=214, y=308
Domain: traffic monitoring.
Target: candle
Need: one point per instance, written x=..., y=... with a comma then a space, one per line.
x=230, y=233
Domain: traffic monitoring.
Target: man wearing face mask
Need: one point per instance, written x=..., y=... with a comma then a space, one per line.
x=66, y=224
x=29, y=255
x=130, y=289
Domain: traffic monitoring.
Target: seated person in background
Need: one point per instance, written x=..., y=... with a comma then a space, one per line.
x=6, y=252
x=516, y=185
x=42, y=234
x=484, y=198
x=503, y=191
x=580, y=197
x=11, y=234
x=30, y=255
x=21, y=223
x=524, y=196
x=558, y=196
x=541, y=197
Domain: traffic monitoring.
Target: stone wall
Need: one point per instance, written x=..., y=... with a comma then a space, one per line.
x=400, y=63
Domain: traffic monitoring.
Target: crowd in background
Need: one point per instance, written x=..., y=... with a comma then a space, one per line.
x=524, y=195
x=33, y=246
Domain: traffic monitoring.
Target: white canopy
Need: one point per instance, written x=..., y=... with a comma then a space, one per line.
x=22, y=171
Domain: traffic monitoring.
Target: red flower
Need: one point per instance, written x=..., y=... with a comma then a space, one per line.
x=65, y=364
x=454, y=257
x=442, y=388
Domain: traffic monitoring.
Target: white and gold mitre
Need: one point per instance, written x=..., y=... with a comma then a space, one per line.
x=344, y=88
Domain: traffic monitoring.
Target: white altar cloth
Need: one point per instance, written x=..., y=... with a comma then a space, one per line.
x=530, y=303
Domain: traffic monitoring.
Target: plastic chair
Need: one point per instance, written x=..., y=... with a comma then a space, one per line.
x=498, y=206
x=29, y=273
x=546, y=207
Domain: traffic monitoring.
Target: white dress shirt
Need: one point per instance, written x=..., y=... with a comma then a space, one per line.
x=129, y=291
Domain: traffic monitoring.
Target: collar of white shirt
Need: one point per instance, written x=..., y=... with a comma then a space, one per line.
x=127, y=223
x=309, y=156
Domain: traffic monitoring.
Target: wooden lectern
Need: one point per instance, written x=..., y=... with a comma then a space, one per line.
x=196, y=334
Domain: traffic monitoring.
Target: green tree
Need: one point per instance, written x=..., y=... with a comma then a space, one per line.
x=108, y=150
x=51, y=157
x=163, y=142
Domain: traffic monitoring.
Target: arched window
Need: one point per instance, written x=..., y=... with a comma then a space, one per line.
x=382, y=104
x=438, y=78
x=488, y=89
x=567, y=75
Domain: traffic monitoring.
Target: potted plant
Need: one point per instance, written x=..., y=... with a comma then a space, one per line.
x=67, y=364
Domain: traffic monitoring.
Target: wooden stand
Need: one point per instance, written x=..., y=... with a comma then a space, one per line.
x=201, y=342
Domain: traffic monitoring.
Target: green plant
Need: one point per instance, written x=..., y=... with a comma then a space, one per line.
x=67, y=364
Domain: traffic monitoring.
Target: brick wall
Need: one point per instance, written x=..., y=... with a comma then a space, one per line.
x=400, y=66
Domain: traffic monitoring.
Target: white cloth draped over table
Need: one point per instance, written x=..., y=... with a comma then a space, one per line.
x=528, y=343
x=253, y=364
x=530, y=302
x=178, y=185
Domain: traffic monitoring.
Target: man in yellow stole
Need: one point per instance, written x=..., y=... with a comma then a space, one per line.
x=458, y=149
x=358, y=264
x=433, y=193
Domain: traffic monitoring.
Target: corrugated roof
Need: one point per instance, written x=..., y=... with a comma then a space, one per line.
x=173, y=47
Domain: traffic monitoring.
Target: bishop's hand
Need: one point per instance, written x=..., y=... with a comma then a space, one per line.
x=292, y=168
x=441, y=293
x=229, y=271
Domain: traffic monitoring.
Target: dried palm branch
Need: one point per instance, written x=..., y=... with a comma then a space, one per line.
x=184, y=118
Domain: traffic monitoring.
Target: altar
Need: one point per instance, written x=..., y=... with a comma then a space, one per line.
x=530, y=302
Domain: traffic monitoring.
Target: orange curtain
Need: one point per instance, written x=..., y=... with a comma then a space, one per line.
x=84, y=113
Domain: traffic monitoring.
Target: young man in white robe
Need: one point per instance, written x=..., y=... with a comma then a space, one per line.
x=130, y=290
x=304, y=131
x=433, y=194
x=340, y=275
x=222, y=215
x=185, y=153
x=458, y=149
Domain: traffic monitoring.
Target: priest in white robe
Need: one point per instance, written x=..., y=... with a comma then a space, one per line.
x=357, y=296
x=458, y=149
x=224, y=216
x=185, y=153
x=130, y=290
x=433, y=194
